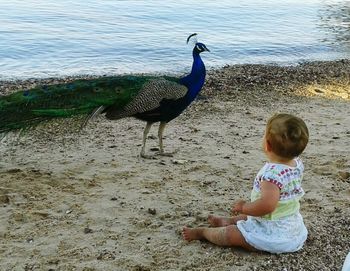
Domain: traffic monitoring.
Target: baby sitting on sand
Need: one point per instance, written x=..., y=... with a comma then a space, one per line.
x=271, y=221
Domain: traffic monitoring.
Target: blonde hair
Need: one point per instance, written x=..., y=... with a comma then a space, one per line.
x=287, y=135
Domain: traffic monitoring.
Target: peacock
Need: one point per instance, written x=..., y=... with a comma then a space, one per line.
x=148, y=98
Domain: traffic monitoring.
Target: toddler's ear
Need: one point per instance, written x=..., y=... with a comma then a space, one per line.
x=268, y=146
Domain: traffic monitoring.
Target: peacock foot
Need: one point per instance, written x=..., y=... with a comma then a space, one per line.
x=161, y=152
x=158, y=152
x=167, y=154
x=147, y=156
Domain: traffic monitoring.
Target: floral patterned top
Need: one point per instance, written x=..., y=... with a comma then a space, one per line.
x=288, y=179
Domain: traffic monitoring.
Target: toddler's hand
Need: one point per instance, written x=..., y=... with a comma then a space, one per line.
x=237, y=207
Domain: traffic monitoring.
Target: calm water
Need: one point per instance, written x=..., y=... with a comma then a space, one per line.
x=58, y=38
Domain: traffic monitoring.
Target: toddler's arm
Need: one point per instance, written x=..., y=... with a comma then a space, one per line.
x=267, y=203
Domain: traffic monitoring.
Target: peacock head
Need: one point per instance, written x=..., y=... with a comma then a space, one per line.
x=198, y=46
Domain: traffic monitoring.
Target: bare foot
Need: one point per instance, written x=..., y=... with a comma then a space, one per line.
x=192, y=234
x=219, y=221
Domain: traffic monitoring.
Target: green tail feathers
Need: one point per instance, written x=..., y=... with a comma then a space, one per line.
x=27, y=108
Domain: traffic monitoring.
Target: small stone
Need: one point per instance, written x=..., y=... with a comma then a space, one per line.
x=344, y=175
x=179, y=161
x=41, y=213
x=53, y=261
x=30, y=240
x=318, y=90
x=337, y=210
x=99, y=257
x=14, y=170
x=4, y=199
x=185, y=213
x=152, y=211
x=88, y=230
x=18, y=217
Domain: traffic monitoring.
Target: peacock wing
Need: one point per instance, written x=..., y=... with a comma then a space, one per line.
x=150, y=97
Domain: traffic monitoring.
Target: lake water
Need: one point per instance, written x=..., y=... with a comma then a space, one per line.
x=59, y=38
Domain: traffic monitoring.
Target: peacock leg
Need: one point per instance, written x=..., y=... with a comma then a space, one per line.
x=160, y=136
x=145, y=133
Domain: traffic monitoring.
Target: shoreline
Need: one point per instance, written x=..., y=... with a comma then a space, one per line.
x=86, y=201
x=245, y=76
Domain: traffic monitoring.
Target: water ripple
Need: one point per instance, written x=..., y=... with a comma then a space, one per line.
x=57, y=38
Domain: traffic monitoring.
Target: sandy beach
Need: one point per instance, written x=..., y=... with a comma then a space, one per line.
x=87, y=201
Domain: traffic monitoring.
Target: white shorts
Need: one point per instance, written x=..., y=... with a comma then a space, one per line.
x=287, y=234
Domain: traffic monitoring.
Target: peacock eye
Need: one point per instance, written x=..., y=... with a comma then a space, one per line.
x=199, y=48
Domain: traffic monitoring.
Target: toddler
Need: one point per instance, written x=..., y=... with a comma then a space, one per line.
x=271, y=220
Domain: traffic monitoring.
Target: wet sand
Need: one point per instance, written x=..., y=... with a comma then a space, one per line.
x=86, y=200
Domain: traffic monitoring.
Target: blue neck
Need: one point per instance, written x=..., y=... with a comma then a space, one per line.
x=195, y=80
